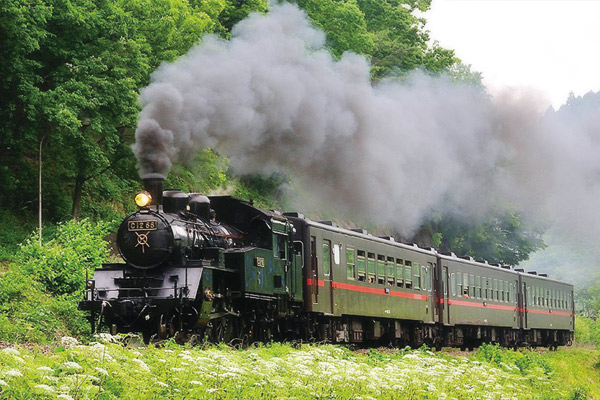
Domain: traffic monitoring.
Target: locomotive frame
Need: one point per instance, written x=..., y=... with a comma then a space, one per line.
x=261, y=275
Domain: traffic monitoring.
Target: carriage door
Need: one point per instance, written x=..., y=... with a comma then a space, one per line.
x=446, y=293
x=314, y=271
x=327, y=274
x=523, y=306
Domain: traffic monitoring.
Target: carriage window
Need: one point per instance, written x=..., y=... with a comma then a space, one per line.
x=371, y=267
x=453, y=283
x=471, y=285
x=380, y=269
x=465, y=285
x=390, y=271
x=408, y=275
x=459, y=284
x=327, y=257
x=350, y=263
x=531, y=295
x=361, y=265
x=478, y=287
x=496, y=297
x=399, y=273
x=417, y=275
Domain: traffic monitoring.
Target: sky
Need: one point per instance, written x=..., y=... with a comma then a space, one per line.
x=549, y=46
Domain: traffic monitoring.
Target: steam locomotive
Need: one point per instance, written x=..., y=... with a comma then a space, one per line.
x=219, y=269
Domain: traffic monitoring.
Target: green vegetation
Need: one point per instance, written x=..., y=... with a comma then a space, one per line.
x=108, y=370
x=40, y=290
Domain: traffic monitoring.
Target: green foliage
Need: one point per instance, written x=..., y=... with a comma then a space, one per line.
x=263, y=192
x=526, y=361
x=587, y=331
x=400, y=39
x=501, y=238
x=60, y=264
x=10, y=238
x=588, y=298
x=40, y=289
x=343, y=22
x=73, y=73
x=236, y=10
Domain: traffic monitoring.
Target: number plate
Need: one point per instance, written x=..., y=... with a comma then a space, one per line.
x=147, y=225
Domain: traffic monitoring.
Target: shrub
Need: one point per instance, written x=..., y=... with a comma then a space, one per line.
x=41, y=287
x=61, y=263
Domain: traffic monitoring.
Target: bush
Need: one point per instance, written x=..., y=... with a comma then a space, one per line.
x=61, y=263
x=40, y=289
x=587, y=331
x=524, y=360
x=10, y=238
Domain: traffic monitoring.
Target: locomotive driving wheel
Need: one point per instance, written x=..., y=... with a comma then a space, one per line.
x=224, y=329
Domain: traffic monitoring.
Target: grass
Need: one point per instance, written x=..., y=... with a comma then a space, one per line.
x=109, y=370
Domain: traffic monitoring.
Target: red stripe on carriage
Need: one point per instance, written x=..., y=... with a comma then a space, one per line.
x=367, y=289
x=319, y=282
x=480, y=305
x=550, y=312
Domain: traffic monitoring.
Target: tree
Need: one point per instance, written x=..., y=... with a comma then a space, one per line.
x=73, y=71
x=501, y=238
x=400, y=39
x=343, y=22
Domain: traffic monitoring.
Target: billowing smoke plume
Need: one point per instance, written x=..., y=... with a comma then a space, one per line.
x=275, y=101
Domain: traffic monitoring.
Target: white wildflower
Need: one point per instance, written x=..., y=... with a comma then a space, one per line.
x=68, y=341
x=64, y=396
x=162, y=384
x=196, y=382
x=45, y=388
x=2, y=383
x=45, y=369
x=141, y=364
x=90, y=377
x=212, y=390
x=72, y=365
x=13, y=372
x=101, y=371
x=11, y=351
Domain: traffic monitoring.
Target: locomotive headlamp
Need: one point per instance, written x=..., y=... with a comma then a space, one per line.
x=143, y=199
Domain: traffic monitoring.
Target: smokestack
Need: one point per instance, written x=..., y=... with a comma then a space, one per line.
x=153, y=184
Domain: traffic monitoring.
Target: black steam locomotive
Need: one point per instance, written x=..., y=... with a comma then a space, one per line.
x=219, y=269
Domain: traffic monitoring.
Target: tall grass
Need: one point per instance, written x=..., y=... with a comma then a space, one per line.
x=109, y=370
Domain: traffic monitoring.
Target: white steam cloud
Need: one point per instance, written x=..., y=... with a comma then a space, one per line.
x=275, y=101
